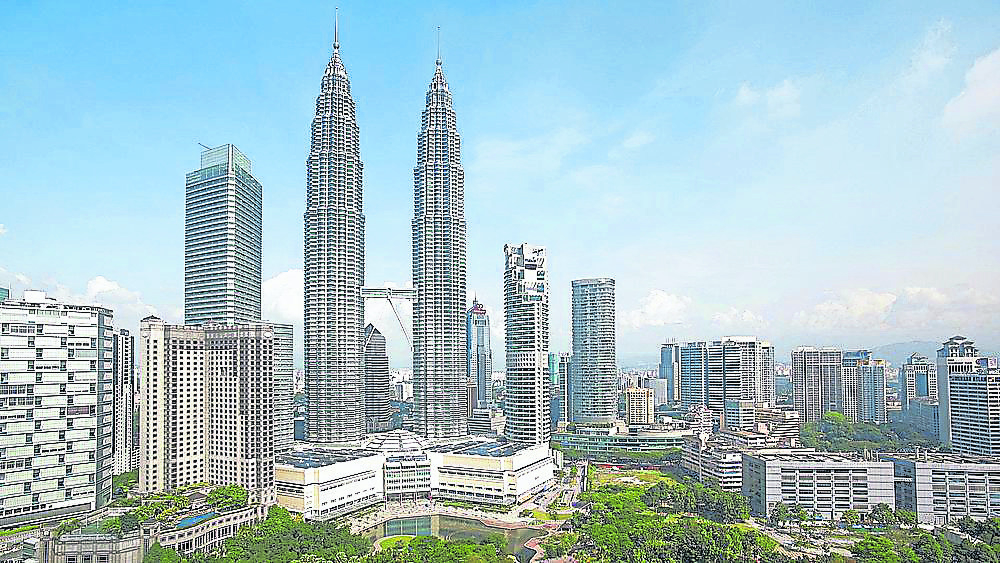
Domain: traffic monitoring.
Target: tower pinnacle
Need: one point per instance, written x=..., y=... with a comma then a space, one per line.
x=438, y=62
x=336, y=28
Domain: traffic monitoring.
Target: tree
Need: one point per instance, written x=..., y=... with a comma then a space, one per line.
x=882, y=515
x=851, y=518
x=780, y=514
x=906, y=517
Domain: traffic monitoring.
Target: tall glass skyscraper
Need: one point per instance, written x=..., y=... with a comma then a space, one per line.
x=478, y=355
x=526, y=320
x=439, y=270
x=334, y=264
x=594, y=372
x=222, y=239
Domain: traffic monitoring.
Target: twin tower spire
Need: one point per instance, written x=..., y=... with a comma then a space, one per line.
x=334, y=262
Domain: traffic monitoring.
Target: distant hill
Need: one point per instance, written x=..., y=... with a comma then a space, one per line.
x=898, y=353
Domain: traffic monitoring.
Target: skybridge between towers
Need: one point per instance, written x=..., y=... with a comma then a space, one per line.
x=391, y=295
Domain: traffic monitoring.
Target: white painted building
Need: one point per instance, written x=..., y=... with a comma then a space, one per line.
x=943, y=488
x=56, y=408
x=825, y=484
x=125, y=391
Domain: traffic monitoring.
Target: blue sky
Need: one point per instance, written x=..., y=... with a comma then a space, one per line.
x=809, y=174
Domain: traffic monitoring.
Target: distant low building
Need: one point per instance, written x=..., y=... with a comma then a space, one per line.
x=713, y=461
x=943, y=488
x=607, y=443
x=639, y=405
x=825, y=484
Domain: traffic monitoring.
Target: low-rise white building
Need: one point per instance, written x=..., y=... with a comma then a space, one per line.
x=713, y=461
x=942, y=488
x=399, y=465
x=825, y=484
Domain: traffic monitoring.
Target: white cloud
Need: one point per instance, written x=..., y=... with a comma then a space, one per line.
x=739, y=318
x=746, y=96
x=3, y=229
x=851, y=309
x=634, y=141
x=497, y=162
x=933, y=54
x=977, y=106
x=659, y=308
x=281, y=298
x=781, y=101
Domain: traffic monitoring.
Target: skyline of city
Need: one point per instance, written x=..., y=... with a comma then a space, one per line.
x=928, y=307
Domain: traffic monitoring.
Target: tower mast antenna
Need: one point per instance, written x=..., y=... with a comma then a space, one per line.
x=336, y=28
x=439, y=46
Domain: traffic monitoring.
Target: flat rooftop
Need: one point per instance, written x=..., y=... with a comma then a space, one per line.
x=810, y=456
x=939, y=457
x=319, y=457
x=486, y=449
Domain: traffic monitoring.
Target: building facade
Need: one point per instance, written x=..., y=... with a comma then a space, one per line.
x=825, y=484
x=56, y=408
x=222, y=239
x=863, y=394
x=284, y=387
x=917, y=378
x=334, y=264
x=712, y=461
x=125, y=423
x=377, y=393
x=559, y=377
x=967, y=410
x=526, y=320
x=943, y=488
x=816, y=383
x=439, y=269
x=594, y=371
x=478, y=354
x=639, y=406
x=206, y=409
x=732, y=369
x=670, y=370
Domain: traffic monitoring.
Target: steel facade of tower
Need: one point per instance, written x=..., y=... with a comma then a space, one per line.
x=334, y=261
x=222, y=239
x=439, y=270
x=594, y=372
x=526, y=320
x=478, y=354
x=378, y=413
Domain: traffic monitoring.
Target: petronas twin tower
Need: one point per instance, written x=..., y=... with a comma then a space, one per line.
x=334, y=267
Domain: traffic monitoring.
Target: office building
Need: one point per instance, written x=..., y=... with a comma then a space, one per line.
x=917, y=378
x=559, y=378
x=816, y=385
x=923, y=415
x=732, y=369
x=377, y=392
x=206, y=406
x=526, y=322
x=943, y=488
x=639, y=406
x=4, y=293
x=958, y=364
x=863, y=394
x=670, y=370
x=487, y=422
x=334, y=264
x=825, y=484
x=124, y=443
x=609, y=442
x=740, y=415
x=478, y=354
x=593, y=372
x=439, y=269
x=56, y=400
x=713, y=462
x=222, y=239
x=284, y=387
x=781, y=425
x=472, y=394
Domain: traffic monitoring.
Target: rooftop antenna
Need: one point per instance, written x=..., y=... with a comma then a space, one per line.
x=204, y=147
x=439, y=46
x=336, y=28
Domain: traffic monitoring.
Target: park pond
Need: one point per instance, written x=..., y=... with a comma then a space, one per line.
x=455, y=528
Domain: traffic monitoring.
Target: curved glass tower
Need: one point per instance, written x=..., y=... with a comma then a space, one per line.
x=439, y=270
x=334, y=265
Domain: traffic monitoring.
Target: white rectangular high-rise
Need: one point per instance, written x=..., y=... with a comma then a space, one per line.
x=206, y=409
x=594, y=371
x=736, y=368
x=526, y=323
x=56, y=400
x=917, y=379
x=124, y=436
x=968, y=398
x=284, y=387
x=816, y=381
x=222, y=239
